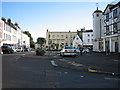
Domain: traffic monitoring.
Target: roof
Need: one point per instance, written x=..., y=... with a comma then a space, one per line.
x=118, y=4
x=62, y=32
x=108, y=6
x=97, y=11
x=89, y=31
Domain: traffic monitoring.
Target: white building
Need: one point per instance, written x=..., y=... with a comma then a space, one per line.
x=106, y=29
x=83, y=38
x=98, y=31
x=1, y=34
x=77, y=42
x=87, y=38
x=25, y=41
x=112, y=28
x=13, y=35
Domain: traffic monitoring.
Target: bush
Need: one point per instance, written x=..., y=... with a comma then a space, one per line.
x=40, y=52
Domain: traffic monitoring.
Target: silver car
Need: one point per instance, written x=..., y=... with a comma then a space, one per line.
x=68, y=51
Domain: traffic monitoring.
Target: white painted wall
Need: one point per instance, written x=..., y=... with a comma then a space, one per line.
x=86, y=38
x=25, y=39
x=77, y=41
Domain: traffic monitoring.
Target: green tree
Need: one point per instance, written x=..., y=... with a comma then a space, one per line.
x=32, y=43
x=57, y=46
x=40, y=41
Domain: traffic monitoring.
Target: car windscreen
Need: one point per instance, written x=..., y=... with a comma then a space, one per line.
x=69, y=47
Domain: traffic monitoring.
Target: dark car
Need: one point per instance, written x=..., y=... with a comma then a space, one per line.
x=6, y=49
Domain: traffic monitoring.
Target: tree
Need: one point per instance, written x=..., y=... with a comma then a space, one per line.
x=57, y=46
x=40, y=41
x=32, y=43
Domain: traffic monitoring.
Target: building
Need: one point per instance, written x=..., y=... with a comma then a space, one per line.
x=77, y=42
x=106, y=29
x=84, y=38
x=12, y=35
x=98, y=30
x=87, y=37
x=25, y=43
x=112, y=28
x=56, y=40
x=1, y=34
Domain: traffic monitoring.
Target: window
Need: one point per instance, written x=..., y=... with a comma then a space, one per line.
x=92, y=40
x=66, y=36
x=4, y=36
x=61, y=36
x=115, y=28
x=97, y=15
x=88, y=35
x=92, y=35
x=88, y=40
x=107, y=17
x=107, y=30
x=53, y=36
x=57, y=36
x=115, y=13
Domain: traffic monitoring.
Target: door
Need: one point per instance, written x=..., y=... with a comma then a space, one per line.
x=116, y=46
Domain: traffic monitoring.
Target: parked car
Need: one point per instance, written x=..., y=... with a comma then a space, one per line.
x=86, y=50
x=67, y=50
x=6, y=49
x=19, y=49
x=14, y=49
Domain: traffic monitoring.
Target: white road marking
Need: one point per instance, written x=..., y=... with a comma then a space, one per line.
x=53, y=63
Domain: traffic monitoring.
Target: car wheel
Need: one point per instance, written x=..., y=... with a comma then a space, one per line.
x=8, y=52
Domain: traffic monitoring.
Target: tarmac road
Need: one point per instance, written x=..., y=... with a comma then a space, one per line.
x=27, y=72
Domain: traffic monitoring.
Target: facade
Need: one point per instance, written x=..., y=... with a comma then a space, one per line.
x=1, y=33
x=107, y=32
x=98, y=30
x=56, y=40
x=25, y=41
x=112, y=28
x=84, y=38
x=77, y=42
x=87, y=38
x=13, y=35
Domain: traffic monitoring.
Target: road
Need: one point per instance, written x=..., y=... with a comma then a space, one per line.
x=27, y=72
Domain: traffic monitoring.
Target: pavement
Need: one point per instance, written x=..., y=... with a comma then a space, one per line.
x=93, y=62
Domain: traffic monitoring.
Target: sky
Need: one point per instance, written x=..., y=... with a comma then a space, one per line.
x=37, y=17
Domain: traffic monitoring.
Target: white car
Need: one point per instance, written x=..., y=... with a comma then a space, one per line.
x=19, y=49
x=68, y=51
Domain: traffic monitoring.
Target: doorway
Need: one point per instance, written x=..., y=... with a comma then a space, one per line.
x=116, y=47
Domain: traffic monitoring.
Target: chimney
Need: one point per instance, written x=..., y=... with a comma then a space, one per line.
x=16, y=24
x=9, y=21
x=4, y=19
